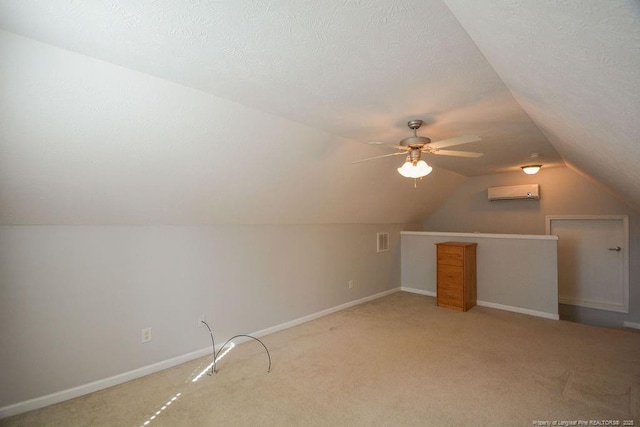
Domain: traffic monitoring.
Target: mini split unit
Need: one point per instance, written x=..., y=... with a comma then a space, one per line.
x=514, y=192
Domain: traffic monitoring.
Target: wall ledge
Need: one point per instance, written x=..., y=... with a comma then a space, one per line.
x=488, y=235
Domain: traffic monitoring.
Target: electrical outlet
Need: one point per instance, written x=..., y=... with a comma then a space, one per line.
x=350, y=284
x=202, y=318
x=146, y=335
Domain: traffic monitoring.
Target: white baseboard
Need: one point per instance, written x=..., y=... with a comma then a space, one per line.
x=322, y=313
x=520, y=310
x=631, y=325
x=51, y=399
x=418, y=291
x=61, y=396
x=536, y=313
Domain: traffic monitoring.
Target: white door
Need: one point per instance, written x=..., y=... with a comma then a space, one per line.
x=593, y=260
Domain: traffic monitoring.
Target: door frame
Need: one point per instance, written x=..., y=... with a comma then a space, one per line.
x=624, y=308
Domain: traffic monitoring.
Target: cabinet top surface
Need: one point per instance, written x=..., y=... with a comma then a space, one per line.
x=457, y=244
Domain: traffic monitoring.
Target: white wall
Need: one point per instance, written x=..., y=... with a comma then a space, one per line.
x=562, y=192
x=114, y=186
x=85, y=142
x=75, y=298
x=514, y=272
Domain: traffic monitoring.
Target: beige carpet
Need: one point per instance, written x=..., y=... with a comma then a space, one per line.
x=395, y=361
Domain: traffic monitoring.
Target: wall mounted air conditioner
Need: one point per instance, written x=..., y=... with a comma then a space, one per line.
x=529, y=191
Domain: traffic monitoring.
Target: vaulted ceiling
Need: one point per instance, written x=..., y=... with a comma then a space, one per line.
x=181, y=112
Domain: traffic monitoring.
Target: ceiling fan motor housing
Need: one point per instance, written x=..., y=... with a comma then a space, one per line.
x=415, y=141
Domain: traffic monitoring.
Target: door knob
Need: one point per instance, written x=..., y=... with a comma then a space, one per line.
x=617, y=249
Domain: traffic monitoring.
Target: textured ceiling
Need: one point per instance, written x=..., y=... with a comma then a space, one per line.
x=574, y=67
x=190, y=93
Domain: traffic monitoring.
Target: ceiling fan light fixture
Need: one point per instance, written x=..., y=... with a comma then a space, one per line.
x=415, y=169
x=531, y=169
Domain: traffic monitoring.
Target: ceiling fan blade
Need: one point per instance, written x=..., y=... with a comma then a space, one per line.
x=385, y=145
x=449, y=142
x=379, y=157
x=456, y=153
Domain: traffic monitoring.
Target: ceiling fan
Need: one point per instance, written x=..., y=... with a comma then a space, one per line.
x=414, y=146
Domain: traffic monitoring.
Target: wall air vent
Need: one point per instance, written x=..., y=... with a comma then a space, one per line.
x=383, y=242
x=514, y=192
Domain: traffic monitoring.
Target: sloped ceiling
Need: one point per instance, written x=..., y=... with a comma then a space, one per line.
x=252, y=112
x=574, y=67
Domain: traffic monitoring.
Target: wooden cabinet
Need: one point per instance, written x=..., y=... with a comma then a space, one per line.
x=456, y=271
